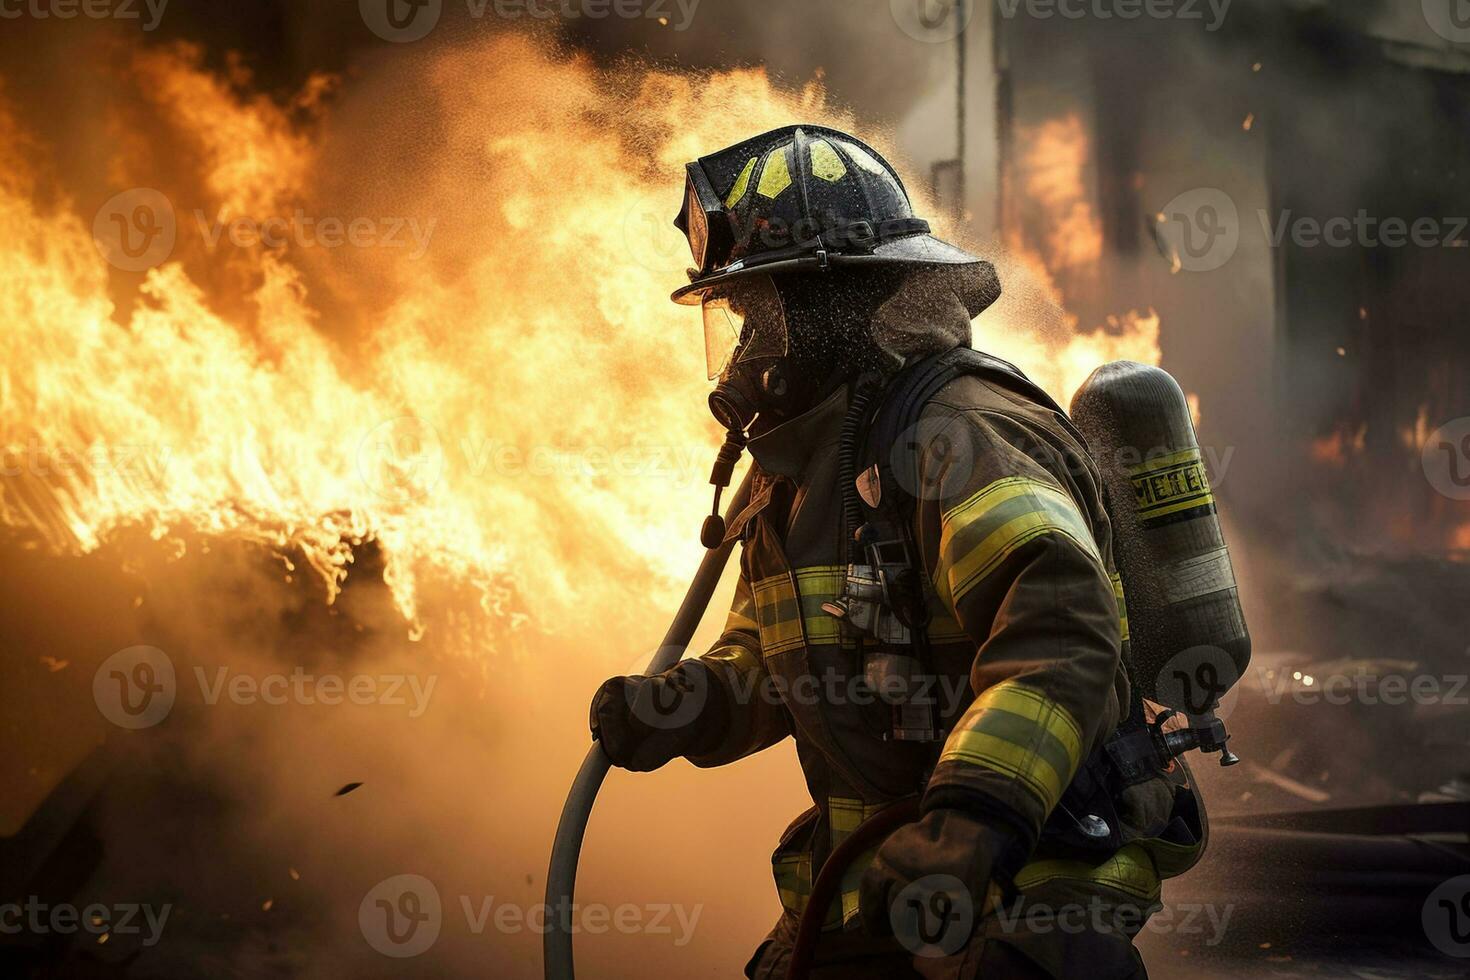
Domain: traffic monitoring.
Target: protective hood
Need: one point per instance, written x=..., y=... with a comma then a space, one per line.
x=931, y=311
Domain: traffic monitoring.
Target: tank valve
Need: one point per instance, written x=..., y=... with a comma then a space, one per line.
x=1207, y=736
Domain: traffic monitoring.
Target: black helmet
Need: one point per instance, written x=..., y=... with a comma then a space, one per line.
x=808, y=198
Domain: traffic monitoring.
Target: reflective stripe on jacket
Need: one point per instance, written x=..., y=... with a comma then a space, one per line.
x=1027, y=626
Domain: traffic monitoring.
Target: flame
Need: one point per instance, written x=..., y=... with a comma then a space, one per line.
x=1053, y=158
x=1334, y=448
x=1416, y=436
x=1051, y=177
x=518, y=410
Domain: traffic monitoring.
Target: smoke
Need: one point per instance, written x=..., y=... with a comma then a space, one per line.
x=203, y=446
x=794, y=42
x=536, y=319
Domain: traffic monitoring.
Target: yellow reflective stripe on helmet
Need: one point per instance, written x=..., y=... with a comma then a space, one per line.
x=978, y=535
x=777, y=614
x=1129, y=870
x=1018, y=731
x=1122, y=604
x=775, y=175
x=741, y=183
x=826, y=164
x=865, y=159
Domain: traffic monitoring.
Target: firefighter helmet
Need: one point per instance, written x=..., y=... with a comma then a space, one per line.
x=807, y=198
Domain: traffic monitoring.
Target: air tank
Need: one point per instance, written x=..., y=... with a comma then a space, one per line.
x=1188, y=634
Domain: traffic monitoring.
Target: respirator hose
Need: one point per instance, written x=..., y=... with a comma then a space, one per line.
x=849, y=439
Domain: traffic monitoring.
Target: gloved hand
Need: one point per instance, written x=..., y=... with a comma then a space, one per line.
x=944, y=842
x=643, y=722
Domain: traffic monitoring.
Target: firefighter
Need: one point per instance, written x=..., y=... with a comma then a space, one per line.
x=973, y=659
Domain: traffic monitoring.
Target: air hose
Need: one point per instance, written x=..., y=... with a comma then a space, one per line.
x=561, y=876
x=849, y=444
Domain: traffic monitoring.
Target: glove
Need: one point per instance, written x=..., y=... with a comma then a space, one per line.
x=945, y=842
x=643, y=722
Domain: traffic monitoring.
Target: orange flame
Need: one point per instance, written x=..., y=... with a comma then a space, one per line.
x=518, y=409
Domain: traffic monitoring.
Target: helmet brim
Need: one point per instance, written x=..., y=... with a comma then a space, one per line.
x=918, y=250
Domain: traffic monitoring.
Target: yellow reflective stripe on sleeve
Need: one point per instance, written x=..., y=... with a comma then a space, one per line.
x=1129, y=870
x=775, y=175
x=978, y=535
x=1122, y=604
x=741, y=183
x=1019, y=732
x=777, y=614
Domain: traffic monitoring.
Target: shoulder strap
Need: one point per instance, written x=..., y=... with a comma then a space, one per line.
x=912, y=389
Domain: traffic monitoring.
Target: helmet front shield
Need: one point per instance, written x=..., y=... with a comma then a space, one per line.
x=743, y=324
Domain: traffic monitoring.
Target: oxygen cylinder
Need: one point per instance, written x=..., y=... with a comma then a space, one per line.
x=1188, y=636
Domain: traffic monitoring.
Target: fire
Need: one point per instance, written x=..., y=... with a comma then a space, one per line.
x=1054, y=242
x=517, y=411
x=1460, y=538
x=1053, y=168
x=1334, y=448
x=1416, y=437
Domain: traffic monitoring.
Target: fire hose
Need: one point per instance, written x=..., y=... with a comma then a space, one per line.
x=561, y=876
x=829, y=880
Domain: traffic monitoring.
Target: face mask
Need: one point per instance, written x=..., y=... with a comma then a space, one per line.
x=746, y=343
x=775, y=351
